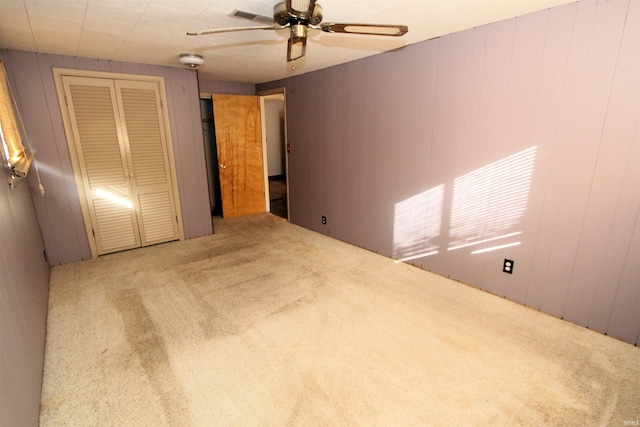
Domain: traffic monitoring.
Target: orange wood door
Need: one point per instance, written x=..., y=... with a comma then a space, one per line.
x=237, y=126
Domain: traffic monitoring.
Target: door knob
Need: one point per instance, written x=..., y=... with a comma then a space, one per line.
x=222, y=166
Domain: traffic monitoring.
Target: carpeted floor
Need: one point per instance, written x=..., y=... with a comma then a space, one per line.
x=268, y=324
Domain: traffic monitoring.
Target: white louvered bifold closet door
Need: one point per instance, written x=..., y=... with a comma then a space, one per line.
x=121, y=146
x=140, y=109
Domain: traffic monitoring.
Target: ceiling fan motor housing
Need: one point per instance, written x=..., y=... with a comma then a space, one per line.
x=298, y=32
x=282, y=16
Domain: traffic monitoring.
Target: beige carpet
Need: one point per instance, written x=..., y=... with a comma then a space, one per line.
x=268, y=324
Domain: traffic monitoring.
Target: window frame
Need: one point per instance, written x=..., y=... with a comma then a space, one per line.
x=16, y=160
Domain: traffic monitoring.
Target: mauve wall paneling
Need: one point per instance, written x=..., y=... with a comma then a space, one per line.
x=59, y=211
x=614, y=199
x=186, y=128
x=583, y=111
x=551, y=122
x=605, y=153
x=24, y=293
x=229, y=88
x=521, y=134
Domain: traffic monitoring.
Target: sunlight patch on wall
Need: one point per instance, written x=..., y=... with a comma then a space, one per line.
x=495, y=248
x=504, y=236
x=489, y=202
x=487, y=206
x=416, y=225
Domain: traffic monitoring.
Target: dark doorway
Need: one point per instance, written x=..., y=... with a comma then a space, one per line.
x=278, y=195
x=274, y=119
x=211, y=156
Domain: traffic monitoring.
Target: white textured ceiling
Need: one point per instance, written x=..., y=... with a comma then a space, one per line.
x=154, y=31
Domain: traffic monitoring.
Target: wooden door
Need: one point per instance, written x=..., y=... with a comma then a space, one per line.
x=238, y=138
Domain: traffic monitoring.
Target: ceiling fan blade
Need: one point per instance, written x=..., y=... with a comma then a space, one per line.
x=368, y=29
x=252, y=16
x=309, y=12
x=297, y=43
x=229, y=30
x=296, y=49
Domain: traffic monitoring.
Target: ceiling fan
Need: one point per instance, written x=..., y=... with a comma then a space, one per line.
x=299, y=16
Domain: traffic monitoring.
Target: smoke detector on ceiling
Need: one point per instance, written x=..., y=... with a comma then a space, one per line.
x=191, y=60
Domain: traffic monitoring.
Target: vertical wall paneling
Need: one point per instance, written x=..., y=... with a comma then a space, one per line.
x=371, y=152
x=430, y=237
x=608, y=173
x=64, y=167
x=104, y=65
x=435, y=178
x=522, y=97
x=114, y=67
x=453, y=78
x=126, y=67
x=62, y=238
x=10, y=60
x=24, y=293
x=335, y=137
x=567, y=200
x=320, y=146
x=562, y=80
x=490, y=149
x=229, y=88
x=354, y=199
x=623, y=319
x=467, y=266
x=302, y=159
x=598, y=75
x=392, y=142
x=544, y=195
x=307, y=149
x=180, y=158
x=327, y=148
x=370, y=147
x=410, y=185
x=189, y=147
x=87, y=64
x=620, y=152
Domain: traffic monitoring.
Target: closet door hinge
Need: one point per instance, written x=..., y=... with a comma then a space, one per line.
x=93, y=232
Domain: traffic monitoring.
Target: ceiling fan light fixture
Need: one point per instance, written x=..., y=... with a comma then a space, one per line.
x=191, y=60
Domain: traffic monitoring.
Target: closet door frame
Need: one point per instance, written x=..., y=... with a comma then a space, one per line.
x=58, y=74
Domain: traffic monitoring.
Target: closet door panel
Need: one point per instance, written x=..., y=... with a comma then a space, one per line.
x=116, y=225
x=100, y=149
x=145, y=141
x=158, y=223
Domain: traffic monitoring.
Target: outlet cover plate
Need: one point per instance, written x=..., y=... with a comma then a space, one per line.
x=507, y=266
